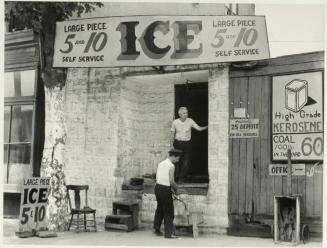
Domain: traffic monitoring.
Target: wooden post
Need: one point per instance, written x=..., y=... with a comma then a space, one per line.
x=276, y=228
x=298, y=221
x=289, y=172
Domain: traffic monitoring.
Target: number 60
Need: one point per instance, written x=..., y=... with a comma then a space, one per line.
x=308, y=146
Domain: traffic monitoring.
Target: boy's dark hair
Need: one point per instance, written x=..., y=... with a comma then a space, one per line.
x=175, y=152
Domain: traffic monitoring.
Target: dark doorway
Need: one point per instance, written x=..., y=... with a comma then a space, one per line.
x=194, y=96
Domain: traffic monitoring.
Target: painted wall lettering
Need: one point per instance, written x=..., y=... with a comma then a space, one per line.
x=297, y=116
x=159, y=40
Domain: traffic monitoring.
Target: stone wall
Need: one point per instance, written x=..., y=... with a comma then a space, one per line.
x=92, y=112
x=217, y=201
x=146, y=113
x=119, y=127
x=129, y=129
x=157, y=113
x=214, y=205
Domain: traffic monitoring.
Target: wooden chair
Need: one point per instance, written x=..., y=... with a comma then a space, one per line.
x=76, y=210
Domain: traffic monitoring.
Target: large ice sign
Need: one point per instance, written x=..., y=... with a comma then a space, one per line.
x=297, y=116
x=159, y=40
x=34, y=200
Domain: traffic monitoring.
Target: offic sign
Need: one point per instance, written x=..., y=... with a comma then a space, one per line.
x=281, y=169
x=159, y=40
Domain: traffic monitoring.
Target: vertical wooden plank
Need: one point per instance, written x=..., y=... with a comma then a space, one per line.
x=243, y=152
x=294, y=185
x=301, y=191
x=309, y=200
x=298, y=221
x=278, y=185
x=278, y=180
x=257, y=144
x=236, y=151
x=230, y=150
x=289, y=172
x=276, y=229
x=284, y=185
x=267, y=156
x=249, y=148
x=294, y=182
x=264, y=130
x=317, y=194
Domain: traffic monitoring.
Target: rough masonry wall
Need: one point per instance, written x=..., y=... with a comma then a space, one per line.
x=146, y=113
x=214, y=204
x=129, y=129
x=119, y=128
x=217, y=203
x=92, y=112
x=157, y=113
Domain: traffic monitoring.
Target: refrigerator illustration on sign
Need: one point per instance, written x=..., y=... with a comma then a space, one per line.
x=296, y=94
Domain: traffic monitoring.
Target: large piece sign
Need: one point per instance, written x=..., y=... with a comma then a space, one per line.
x=33, y=203
x=159, y=40
x=297, y=116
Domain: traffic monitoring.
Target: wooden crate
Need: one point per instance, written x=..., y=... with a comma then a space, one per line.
x=287, y=219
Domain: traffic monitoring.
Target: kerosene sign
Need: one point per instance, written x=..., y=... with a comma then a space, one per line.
x=159, y=40
x=297, y=116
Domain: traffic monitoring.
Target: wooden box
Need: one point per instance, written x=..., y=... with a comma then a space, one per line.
x=287, y=219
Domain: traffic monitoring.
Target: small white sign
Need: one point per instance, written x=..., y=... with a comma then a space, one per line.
x=34, y=200
x=281, y=169
x=244, y=128
x=239, y=113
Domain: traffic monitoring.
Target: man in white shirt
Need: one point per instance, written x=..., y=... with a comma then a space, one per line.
x=165, y=186
x=181, y=139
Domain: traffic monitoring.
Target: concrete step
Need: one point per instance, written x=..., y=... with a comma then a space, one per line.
x=120, y=221
x=119, y=216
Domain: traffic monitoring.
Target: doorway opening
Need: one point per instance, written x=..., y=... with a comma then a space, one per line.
x=194, y=96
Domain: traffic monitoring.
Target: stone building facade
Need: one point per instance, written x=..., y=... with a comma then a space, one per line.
x=118, y=124
x=118, y=127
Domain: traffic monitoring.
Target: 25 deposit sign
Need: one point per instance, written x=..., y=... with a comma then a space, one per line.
x=159, y=40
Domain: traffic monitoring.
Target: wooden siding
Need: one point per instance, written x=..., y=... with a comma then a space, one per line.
x=249, y=181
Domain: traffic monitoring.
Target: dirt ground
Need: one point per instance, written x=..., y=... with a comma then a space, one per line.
x=141, y=237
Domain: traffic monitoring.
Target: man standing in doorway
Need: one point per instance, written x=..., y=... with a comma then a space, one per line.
x=181, y=139
x=165, y=187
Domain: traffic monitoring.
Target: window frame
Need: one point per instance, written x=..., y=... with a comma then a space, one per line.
x=19, y=101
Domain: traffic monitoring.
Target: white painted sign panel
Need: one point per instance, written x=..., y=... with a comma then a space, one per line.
x=297, y=116
x=159, y=40
x=281, y=169
x=34, y=200
x=244, y=128
x=239, y=113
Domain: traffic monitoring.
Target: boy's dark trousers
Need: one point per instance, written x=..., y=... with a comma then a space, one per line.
x=165, y=209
